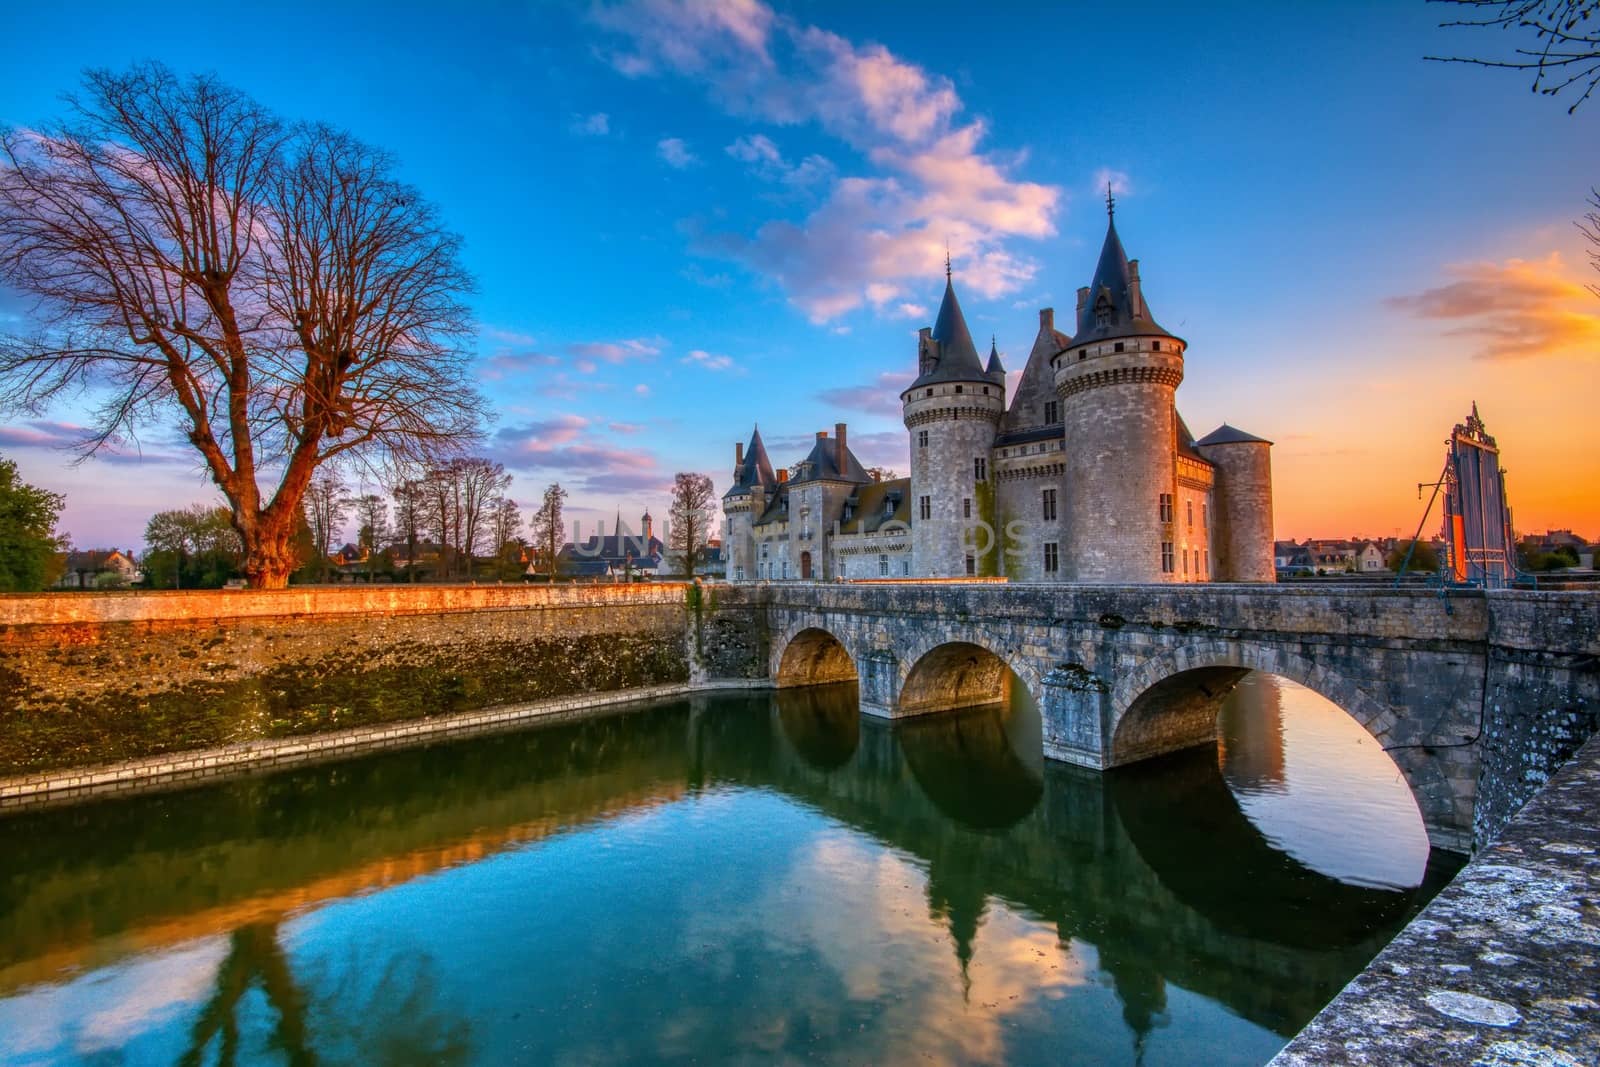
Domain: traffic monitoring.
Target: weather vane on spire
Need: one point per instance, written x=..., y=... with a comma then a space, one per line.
x=947, y=259
x=1111, y=202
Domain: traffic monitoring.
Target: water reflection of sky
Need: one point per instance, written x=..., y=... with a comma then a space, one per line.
x=1318, y=786
x=787, y=908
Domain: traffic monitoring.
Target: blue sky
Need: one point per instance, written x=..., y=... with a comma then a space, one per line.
x=685, y=218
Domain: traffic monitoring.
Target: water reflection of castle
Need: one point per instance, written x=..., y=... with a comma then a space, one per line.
x=1250, y=744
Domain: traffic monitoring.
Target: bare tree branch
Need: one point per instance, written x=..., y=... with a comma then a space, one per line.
x=1565, y=51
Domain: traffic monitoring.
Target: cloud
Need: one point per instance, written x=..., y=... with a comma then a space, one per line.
x=624, y=427
x=634, y=348
x=44, y=435
x=930, y=180
x=879, y=397
x=764, y=160
x=1518, y=309
x=567, y=448
x=708, y=360
x=1118, y=180
x=695, y=274
x=675, y=153
x=641, y=389
x=886, y=448
x=595, y=125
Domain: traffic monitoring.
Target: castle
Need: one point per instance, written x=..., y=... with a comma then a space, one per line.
x=1089, y=474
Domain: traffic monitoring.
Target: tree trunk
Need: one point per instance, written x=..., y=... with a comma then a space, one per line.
x=269, y=551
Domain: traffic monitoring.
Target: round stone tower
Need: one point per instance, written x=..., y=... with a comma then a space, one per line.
x=1242, y=540
x=1117, y=382
x=952, y=411
x=742, y=505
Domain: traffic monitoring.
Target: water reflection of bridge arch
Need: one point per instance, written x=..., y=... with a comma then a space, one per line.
x=1171, y=701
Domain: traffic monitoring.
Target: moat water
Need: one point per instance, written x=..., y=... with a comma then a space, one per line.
x=748, y=878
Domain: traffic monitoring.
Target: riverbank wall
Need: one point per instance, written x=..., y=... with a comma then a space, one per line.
x=138, y=680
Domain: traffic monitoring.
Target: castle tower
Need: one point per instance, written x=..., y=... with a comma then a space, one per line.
x=1243, y=516
x=753, y=484
x=1117, y=381
x=952, y=411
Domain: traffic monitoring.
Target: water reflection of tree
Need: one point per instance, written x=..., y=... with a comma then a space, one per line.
x=393, y=1019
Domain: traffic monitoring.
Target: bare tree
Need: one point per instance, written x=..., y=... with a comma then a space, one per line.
x=505, y=522
x=325, y=508
x=482, y=482
x=690, y=516
x=442, y=509
x=1589, y=226
x=1564, y=52
x=272, y=288
x=547, y=528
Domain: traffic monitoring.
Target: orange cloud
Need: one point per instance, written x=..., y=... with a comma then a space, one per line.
x=1514, y=310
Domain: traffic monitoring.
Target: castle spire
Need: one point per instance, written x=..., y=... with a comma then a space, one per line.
x=994, y=369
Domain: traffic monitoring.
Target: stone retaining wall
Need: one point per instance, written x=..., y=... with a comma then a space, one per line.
x=86, y=679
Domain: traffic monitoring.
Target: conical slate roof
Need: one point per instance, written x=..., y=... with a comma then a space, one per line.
x=1113, y=288
x=957, y=356
x=755, y=470
x=994, y=369
x=1230, y=435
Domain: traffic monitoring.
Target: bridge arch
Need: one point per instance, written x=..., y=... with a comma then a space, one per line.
x=811, y=655
x=958, y=669
x=1171, y=701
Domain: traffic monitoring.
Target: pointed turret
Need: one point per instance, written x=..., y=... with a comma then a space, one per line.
x=751, y=467
x=948, y=353
x=1113, y=305
x=995, y=369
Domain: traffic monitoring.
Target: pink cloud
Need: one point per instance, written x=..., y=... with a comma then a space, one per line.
x=619, y=351
x=878, y=397
x=1512, y=310
x=933, y=183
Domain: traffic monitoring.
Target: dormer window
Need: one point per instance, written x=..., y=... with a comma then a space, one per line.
x=1102, y=311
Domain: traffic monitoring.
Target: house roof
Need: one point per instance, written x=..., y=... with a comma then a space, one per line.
x=822, y=464
x=1112, y=296
x=1185, y=442
x=612, y=548
x=1230, y=435
x=877, y=503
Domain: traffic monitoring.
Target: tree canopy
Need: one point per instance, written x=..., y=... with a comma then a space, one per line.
x=270, y=287
x=29, y=546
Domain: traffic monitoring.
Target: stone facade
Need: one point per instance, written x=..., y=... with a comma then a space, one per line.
x=1088, y=474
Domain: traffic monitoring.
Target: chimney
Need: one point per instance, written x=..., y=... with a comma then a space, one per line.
x=1135, y=292
x=925, y=356
x=738, y=454
x=1083, y=299
x=839, y=449
x=1047, y=320
x=783, y=475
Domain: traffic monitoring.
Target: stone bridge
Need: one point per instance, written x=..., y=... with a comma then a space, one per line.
x=1470, y=693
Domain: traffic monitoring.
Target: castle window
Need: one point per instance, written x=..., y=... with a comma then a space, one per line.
x=1155, y=346
x=966, y=507
x=1188, y=506
x=1166, y=557
x=1102, y=311
x=972, y=565
x=786, y=568
x=764, y=547
x=1082, y=352
x=925, y=507
x=1207, y=558
x=1052, y=411
x=986, y=390
x=958, y=388
x=905, y=568
x=929, y=393
x=1205, y=516
x=980, y=469
x=1052, y=558
x=922, y=438
x=1186, y=562
x=1049, y=505
x=1166, y=508
x=883, y=566
x=1119, y=346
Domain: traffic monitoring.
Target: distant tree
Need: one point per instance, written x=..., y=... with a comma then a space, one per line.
x=1424, y=560
x=410, y=507
x=326, y=507
x=372, y=523
x=505, y=523
x=690, y=515
x=1559, y=40
x=274, y=289
x=546, y=524
x=882, y=474
x=481, y=483
x=29, y=545
x=192, y=548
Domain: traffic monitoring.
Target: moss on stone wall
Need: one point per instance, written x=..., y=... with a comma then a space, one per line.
x=988, y=563
x=355, y=685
